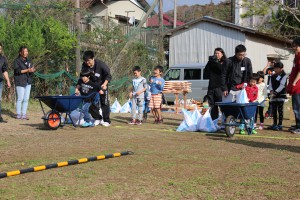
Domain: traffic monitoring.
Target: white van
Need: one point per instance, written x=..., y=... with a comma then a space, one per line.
x=193, y=73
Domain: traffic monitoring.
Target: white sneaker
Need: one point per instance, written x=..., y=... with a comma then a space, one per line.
x=103, y=123
x=97, y=122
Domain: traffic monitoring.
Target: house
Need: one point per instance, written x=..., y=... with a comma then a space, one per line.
x=256, y=21
x=167, y=21
x=126, y=12
x=196, y=40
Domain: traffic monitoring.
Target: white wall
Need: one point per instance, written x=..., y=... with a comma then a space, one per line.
x=258, y=48
x=195, y=44
x=118, y=8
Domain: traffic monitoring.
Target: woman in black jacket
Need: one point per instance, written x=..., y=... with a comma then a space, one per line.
x=23, y=71
x=213, y=71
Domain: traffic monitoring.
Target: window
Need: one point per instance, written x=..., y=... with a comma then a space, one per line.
x=192, y=74
x=173, y=74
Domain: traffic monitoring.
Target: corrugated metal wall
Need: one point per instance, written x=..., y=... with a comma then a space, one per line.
x=258, y=48
x=196, y=43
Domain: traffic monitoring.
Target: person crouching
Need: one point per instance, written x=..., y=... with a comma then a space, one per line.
x=86, y=87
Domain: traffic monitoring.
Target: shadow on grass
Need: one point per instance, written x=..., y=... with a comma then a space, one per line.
x=262, y=145
x=41, y=126
x=9, y=113
x=125, y=120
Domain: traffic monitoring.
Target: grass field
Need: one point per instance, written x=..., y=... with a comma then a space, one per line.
x=165, y=165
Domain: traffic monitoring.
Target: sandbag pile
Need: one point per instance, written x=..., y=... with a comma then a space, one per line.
x=126, y=108
x=194, y=121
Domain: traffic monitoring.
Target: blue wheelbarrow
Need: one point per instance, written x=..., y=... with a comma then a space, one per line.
x=60, y=105
x=237, y=114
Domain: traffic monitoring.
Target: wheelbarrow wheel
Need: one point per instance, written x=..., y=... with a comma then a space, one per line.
x=52, y=120
x=230, y=127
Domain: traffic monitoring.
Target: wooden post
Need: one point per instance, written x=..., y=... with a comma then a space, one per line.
x=176, y=102
x=184, y=99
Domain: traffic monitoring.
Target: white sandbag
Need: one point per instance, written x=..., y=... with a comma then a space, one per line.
x=216, y=124
x=75, y=116
x=126, y=108
x=207, y=124
x=242, y=97
x=116, y=107
x=199, y=120
x=190, y=121
x=183, y=127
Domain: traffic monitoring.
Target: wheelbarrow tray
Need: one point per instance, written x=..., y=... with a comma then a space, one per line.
x=247, y=110
x=62, y=103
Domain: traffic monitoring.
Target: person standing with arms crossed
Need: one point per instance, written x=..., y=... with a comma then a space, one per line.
x=101, y=75
x=23, y=72
x=3, y=74
x=293, y=87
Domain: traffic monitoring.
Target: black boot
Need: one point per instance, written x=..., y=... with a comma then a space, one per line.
x=2, y=120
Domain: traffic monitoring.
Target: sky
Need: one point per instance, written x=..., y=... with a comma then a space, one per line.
x=169, y=4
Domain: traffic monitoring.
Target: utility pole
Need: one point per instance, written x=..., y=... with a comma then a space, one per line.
x=160, y=40
x=175, y=14
x=233, y=11
x=161, y=17
x=212, y=8
x=78, y=32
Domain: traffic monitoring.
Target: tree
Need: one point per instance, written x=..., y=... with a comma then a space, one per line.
x=49, y=40
x=284, y=20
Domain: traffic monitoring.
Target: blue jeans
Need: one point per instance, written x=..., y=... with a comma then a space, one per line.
x=85, y=110
x=296, y=108
x=23, y=94
x=1, y=88
x=86, y=107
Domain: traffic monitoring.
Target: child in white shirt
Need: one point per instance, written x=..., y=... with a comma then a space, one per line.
x=262, y=95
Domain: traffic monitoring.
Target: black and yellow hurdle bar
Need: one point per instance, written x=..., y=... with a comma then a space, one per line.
x=63, y=164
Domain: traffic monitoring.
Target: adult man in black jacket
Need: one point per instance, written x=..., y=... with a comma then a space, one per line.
x=3, y=74
x=101, y=75
x=236, y=70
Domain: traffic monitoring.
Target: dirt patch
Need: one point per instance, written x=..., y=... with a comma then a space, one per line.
x=165, y=165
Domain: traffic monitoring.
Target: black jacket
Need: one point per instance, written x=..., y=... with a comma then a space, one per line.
x=25, y=78
x=276, y=82
x=100, y=70
x=3, y=66
x=212, y=71
x=88, y=88
x=235, y=72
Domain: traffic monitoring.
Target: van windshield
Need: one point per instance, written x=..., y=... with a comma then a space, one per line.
x=172, y=74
